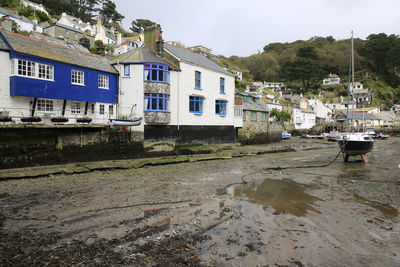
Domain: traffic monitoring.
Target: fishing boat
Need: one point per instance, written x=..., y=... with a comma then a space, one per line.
x=352, y=144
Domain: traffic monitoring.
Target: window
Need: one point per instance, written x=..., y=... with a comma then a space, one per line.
x=92, y=108
x=77, y=77
x=75, y=107
x=222, y=85
x=45, y=72
x=156, y=102
x=103, y=82
x=44, y=105
x=32, y=69
x=110, y=110
x=244, y=115
x=197, y=79
x=127, y=70
x=253, y=116
x=247, y=100
x=102, y=109
x=196, y=104
x=264, y=116
x=220, y=107
x=238, y=111
x=156, y=73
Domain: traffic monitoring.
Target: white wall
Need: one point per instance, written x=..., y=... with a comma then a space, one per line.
x=184, y=81
x=132, y=93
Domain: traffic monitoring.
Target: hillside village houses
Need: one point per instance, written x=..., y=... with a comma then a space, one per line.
x=7, y=17
x=180, y=93
x=332, y=79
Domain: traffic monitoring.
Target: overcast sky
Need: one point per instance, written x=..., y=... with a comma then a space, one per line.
x=244, y=27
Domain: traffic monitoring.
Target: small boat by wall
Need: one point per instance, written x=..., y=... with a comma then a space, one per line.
x=286, y=135
x=131, y=122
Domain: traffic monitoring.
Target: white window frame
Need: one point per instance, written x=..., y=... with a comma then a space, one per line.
x=104, y=82
x=75, y=107
x=101, y=110
x=35, y=69
x=77, y=77
x=44, y=105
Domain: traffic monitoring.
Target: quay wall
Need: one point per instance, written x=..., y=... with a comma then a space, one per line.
x=22, y=147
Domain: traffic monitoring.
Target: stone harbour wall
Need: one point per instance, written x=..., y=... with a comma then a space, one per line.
x=21, y=147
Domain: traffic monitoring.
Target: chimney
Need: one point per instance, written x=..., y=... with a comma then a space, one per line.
x=119, y=38
x=153, y=39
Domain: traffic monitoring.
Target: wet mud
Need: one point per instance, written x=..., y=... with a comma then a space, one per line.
x=235, y=212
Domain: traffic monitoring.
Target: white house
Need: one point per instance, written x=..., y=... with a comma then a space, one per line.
x=332, y=79
x=341, y=105
x=40, y=7
x=322, y=112
x=238, y=75
x=275, y=86
x=355, y=85
x=23, y=23
x=182, y=95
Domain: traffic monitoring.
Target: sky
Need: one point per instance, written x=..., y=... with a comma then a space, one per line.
x=243, y=28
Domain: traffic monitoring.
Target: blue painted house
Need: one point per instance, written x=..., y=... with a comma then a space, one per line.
x=45, y=80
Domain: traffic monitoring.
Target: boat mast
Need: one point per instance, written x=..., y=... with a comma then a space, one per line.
x=352, y=81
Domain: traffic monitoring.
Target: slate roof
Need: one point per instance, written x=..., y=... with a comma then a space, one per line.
x=3, y=45
x=66, y=27
x=253, y=106
x=195, y=59
x=361, y=115
x=47, y=50
x=139, y=55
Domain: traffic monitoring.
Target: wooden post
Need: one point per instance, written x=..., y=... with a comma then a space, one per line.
x=364, y=158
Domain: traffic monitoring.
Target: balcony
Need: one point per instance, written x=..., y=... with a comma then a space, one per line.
x=157, y=117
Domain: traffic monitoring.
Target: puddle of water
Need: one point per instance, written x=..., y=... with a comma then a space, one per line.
x=283, y=195
x=386, y=210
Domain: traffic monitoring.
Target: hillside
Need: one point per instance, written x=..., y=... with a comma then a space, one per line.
x=303, y=64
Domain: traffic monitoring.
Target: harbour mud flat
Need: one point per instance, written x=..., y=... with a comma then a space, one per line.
x=276, y=209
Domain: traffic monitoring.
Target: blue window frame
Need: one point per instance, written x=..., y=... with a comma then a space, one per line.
x=197, y=79
x=222, y=85
x=253, y=116
x=264, y=116
x=220, y=107
x=156, y=102
x=127, y=70
x=156, y=72
x=196, y=104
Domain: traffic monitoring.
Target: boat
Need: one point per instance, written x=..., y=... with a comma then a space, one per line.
x=130, y=122
x=333, y=136
x=286, y=135
x=352, y=144
x=370, y=131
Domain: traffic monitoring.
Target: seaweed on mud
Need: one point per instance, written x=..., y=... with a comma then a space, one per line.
x=28, y=249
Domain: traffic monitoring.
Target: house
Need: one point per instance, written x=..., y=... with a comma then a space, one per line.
x=200, y=49
x=358, y=120
x=44, y=80
x=332, y=79
x=341, y=105
x=72, y=34
x=323, y=114
x=254, y=110
x=395, y=109
x=23, y=23
x=275, y=86
x=238, y=75
x=183, y=96
x=362, y=97
x=355, y=85
x=40, y=7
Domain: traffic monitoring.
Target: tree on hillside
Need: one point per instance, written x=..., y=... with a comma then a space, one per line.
x=280, y=116
x=383, y=54
x=109, y=13
x=274, y=47
x=139, y=25
x=304, y=68
x=263, y=67
x=9, y=3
